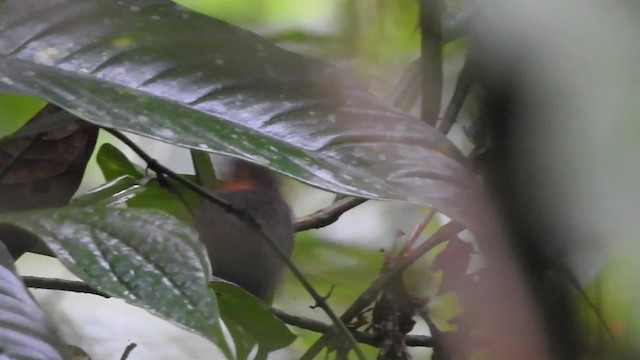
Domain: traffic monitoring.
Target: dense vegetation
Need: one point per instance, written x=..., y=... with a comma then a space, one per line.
x=78, y=76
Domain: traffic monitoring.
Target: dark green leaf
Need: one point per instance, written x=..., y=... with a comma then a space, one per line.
x=25, y=331
x=241, y=310
x=157, y=70
x=143, y=256
x=114, y=163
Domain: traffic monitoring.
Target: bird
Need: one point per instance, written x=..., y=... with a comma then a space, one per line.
x=238, y=252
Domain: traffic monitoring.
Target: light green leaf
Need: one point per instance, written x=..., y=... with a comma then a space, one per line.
x=16, y=110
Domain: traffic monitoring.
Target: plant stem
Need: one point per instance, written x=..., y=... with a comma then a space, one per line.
x=328, y=215
x=431, y=59
x=415, y=234
x=128, y=350
x=463, y=86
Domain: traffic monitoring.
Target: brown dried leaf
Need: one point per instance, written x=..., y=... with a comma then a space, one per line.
x=45, y=170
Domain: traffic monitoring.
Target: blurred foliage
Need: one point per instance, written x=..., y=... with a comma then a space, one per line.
x=614, y=298
x=347, y=32
x=266, y=13
x=349, y=270
x=341, y=271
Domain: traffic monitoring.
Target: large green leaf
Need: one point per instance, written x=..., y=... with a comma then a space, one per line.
x=25, y=331
x=152, y=68
x=143, y=256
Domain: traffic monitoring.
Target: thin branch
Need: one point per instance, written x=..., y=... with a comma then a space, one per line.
x=406, y=91
x=463, y=86
x=431, y=59
x=365, y=338
x=436, y=334
x=415, y=234
x=155, y=166
x=328, y=215
x=128, y=350
x=298, y=321
x=60, y=284
x=316, y=347
x=301, y=322
x=244, y=216
x=444, y=233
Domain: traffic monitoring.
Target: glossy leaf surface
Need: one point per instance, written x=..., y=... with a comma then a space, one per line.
x=146, y=257
x=25, y=331
x=152, y=68
x=111, y=193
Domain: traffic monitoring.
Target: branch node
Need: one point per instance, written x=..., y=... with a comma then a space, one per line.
x=326, y=297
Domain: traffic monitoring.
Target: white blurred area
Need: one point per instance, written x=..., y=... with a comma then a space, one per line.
x=580, y=118
x=104, y=327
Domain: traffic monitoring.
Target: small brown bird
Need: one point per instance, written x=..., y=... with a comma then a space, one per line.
x=238, y=253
